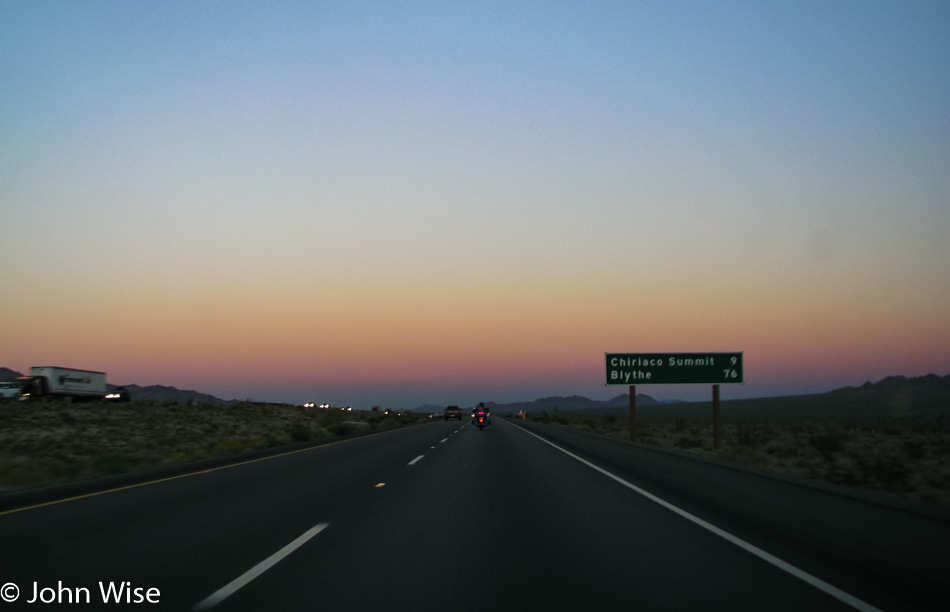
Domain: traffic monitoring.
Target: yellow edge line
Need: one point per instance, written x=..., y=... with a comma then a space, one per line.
x=160, y=480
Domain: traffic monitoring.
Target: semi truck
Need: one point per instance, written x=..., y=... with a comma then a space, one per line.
x=54, y=381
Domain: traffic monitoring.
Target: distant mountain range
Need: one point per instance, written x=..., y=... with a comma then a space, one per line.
x=900, y=381
x=8, y=375
x=161, y=393
x=571, y=403
x=575, y=403
x=930, y=388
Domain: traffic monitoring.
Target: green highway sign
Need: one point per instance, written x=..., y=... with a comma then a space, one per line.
x=674, y=368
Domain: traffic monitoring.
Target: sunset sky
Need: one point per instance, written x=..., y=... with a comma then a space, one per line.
x=400, y=203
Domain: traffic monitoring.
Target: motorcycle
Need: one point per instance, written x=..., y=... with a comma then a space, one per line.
x=481, y=419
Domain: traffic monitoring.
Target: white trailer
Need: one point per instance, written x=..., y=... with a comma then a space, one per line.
x=64, y=382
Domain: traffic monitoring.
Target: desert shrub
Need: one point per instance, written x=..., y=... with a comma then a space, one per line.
x=830, y=440
x=687, y=442
x=273, y=441
x=66, y=467
x=299, y=432
x=914, y=449
x=889, y=472
x=750, y=434
x=378, y=424
x=231, y=446
x=346, y=428
x=17, y=475
x=113, y=463
x=784, y=449
x=406, y=418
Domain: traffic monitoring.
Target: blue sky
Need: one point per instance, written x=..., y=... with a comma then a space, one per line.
x=441, y=202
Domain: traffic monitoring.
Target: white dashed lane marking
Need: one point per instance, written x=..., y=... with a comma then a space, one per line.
x=230, y=588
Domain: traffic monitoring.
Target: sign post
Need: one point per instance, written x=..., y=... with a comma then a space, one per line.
x=716, y=436
x=675, y=369
x=633, y=413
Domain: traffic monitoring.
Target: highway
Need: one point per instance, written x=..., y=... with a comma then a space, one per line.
x=439, y=516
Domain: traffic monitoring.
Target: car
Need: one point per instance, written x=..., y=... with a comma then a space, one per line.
x=453, y=412
x=9, y=390
x=119, y=394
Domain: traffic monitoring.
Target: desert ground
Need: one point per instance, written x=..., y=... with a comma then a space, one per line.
x=53, y=442
x=865, y=439
x=891, y=440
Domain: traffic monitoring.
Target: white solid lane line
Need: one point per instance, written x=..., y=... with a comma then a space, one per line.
x=414, y=461
x=814, y=581
x=229, y=589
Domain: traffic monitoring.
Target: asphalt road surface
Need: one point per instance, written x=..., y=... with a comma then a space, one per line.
x=442, y=516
